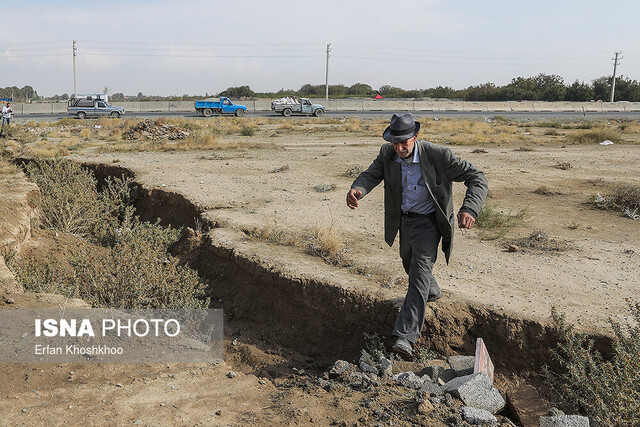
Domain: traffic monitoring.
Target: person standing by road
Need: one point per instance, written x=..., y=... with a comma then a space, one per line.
x=6, y=116
x=418, y=202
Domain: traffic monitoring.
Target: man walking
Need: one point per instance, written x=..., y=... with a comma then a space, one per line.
x=418, y=202
x=6, y=116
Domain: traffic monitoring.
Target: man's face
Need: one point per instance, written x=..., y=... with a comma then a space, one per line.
x=405, y=148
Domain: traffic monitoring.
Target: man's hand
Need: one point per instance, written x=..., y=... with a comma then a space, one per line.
x=465, y=220
x=352, y=198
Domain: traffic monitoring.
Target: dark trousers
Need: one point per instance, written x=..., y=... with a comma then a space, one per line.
x=419, y=239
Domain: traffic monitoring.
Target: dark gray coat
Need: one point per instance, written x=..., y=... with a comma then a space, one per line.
x=440, y=167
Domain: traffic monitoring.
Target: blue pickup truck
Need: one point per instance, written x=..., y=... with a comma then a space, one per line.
x=222, y=105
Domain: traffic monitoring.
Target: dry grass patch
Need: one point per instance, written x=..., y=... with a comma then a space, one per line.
x=495, y=223
x=322, y=240
x=543, y=190
x=622, y=198
x=595, y=136
x=539, y=240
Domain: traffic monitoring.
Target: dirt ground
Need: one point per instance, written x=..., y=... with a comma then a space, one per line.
x=274, y=186
x=589, y=282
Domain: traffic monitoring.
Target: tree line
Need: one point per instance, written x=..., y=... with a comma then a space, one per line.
x=25, y=94
x=543, y=87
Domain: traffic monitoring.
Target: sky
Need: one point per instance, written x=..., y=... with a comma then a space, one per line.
x=197, y=47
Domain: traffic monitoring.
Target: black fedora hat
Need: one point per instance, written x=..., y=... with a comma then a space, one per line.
x=402, y=127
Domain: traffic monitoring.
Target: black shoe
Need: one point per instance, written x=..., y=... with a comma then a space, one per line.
x=433, y=298
x=403, y=347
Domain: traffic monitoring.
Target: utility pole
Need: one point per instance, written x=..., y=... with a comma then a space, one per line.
x=326, y=86
x=615, y=64
x=75, y=81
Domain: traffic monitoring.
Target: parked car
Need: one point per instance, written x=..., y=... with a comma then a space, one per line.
x=93, y=105
x=288, y=106
x=222, y=105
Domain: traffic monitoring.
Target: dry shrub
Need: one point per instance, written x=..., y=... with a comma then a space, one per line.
x=68, y=121
x=351, y=125
x=71, y=143
x=323, y=188
x=539, y=240
x=70, y=201
x=563, y=166
x=623, y=198
x=20, y=133
x=133, y=271
x=595, y=136
x=543, y=190
x=85, y=133
x=607, y=390
x=353, y=171
x=57, y=133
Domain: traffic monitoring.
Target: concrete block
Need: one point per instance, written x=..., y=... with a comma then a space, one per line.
x=462, y=365
x=475, y=106
x=564, y=421
x=526, y=405
x=477, y=416
x=476, y=390
x=431, y=388
x=447, y=375
x=262, y=105
x=425, y=106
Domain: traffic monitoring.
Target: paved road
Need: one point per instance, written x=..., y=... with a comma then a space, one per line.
x=533, y=116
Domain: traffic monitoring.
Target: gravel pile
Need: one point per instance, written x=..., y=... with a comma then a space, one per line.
x=149, y=129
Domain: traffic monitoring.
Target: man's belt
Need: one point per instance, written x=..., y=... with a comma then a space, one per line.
x=418, y=215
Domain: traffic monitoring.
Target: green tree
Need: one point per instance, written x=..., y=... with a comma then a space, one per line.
x=391, y=91
x=579, y=91
x=549, y=87
x=238, y=92
x=602, y=88
x=483, y=92
x=360, y=89
x=312, y=90
x=627, y=90
x=440, y=92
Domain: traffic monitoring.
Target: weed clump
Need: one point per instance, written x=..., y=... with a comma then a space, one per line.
x=624, y=199
x=353, y=171
x=607, y=390
x=496, y=224
x=539, y=240
x=323, y=188
x=543, y=190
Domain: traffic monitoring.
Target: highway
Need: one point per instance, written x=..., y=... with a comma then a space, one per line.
x=525, y=115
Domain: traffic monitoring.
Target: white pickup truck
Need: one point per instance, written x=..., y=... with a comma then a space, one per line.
x=93, y=105
x=287, y=107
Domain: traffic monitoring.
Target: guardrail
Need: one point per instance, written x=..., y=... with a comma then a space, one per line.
x=364, y=104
